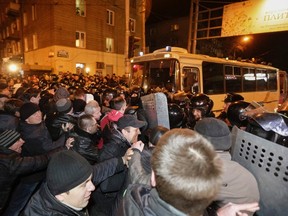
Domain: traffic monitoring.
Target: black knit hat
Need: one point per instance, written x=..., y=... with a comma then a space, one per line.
x=63, y=105
x=27, y=110
x=8, y=138
x=66, y=170
x=216, y=131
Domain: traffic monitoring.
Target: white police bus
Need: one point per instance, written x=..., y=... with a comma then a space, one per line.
x=175, y=70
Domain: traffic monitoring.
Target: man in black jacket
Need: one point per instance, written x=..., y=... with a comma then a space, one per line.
x=84, y=134
x=70, y=181
x=37, y=141
x=118, y=137
x=12, y=164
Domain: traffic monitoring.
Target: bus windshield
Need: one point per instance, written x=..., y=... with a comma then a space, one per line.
x=156, y=75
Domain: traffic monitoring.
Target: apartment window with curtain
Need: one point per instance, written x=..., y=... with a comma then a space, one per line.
x=80, y=39
x=109, y=45
x=35, y=41
x=110, y=17
x=81, y=7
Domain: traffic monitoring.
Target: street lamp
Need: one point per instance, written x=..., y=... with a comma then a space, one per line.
x=241, y=44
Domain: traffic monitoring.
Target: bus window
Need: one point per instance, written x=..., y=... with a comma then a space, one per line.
x=213, y=80
x=249, y=81
x=272, y=80
x=233, y=79
x=261, y=80
x=162, y=74
x=190, y=79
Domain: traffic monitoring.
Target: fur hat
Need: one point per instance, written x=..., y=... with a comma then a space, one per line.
x=61, y=92
x=27, y=110
x=63, y=105
x=129, y=121
x=66, y=170
x=216, y=131
x=8, y=138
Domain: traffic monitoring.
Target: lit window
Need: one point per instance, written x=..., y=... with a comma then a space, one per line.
x=80, y=68
x=33, y=12
x=109, y=45
x=18, y=24
x=25, y=22
x=110, y=17
x=19, y=47
x=13, y=27
x=25, y=44
x=80, y=39
x=7, y=31
x=81, y=7
x=132, y=25
x=35, y=41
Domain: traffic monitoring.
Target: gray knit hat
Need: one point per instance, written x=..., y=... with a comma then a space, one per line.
x=61, y=92
x=63, y=105
x=8, y=138
x=216, y=131
x=66, y=170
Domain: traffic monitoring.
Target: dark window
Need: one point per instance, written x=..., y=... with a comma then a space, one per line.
x=272, y=80
x=213, y=81
x=233, y=79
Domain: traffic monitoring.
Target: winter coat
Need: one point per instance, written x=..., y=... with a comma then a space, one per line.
x=12, y=164
x=116, y=145
x=113, y=115
x=143, y=200
x=54, y=125
x=85, y=145
x=44, y=203
x=8, y=122
x=37, y=141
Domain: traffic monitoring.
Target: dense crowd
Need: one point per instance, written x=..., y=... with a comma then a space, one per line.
x=103, y=158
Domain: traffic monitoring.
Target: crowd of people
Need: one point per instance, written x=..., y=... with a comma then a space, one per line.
x=82, y=145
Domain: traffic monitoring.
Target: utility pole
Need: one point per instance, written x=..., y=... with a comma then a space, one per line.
x=195, y=26
x=127, y=34
x=190, y=26
x=143, y=25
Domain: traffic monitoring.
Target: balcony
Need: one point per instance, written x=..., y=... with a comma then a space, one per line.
x=13, y=9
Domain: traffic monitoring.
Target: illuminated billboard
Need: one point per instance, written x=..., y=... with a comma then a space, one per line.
x=255, y=16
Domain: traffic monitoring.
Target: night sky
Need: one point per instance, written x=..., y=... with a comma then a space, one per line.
x=271, y=47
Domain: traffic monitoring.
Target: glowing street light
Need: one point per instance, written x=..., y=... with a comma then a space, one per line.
x=13, y=68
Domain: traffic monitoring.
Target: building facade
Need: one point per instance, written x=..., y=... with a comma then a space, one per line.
x=79, y=36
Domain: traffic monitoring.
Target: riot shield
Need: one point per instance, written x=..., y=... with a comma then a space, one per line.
x=268, y=162
x=156, y=109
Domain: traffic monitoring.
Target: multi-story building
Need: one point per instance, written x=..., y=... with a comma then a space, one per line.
x=80, y=36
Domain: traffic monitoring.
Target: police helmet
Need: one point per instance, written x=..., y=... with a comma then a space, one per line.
x=176, y=115
x=201, y=102
x=236, y=113
x=232, y=97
